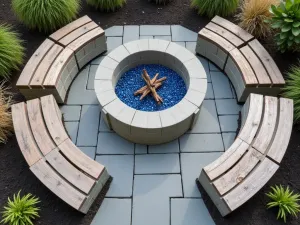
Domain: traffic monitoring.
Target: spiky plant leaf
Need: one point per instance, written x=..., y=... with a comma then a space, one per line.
x=45, y=15
x=106, y=5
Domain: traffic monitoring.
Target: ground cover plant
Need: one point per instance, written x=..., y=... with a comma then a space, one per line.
x=11, y=50
x=6, y=127
x=211, y=8
x=21, y=210
x=253, y=15
x=286, y=20
x=285, y=200
x=46, y=15
x=106, y=5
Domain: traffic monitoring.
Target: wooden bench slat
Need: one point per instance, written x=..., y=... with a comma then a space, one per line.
x=238, y=31
x=233, y=39
x=245, y=68
x=227, y=160
x=239, y=172
x=216, y=39
x=32, y=64
x=42, y=70
x=23, y=133
x=253, y=183
x=77, y=33
x=283, y=130
x=69, y=28
x=57, y=185
x=81, y=160
x=53, y=75
x=38, y=127
x=53, y=123
x=268, y=125
x=268, y=62
x=248, y=131
x=258, y=68
x=69, y=172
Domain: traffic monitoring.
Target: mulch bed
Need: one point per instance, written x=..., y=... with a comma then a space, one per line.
x=14, y=172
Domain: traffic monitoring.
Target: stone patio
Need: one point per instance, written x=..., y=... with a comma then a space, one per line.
x=153, y=185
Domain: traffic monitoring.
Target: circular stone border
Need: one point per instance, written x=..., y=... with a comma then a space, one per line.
x=143, y=127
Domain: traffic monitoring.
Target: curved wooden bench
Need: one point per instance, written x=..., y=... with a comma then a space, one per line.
x=51, y=155
x=254, y=156
x=54, y=65
x=246, y=62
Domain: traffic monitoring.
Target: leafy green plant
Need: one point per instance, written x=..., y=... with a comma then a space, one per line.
x=21, y=211
x=11, y=50
x=285, y=200
x=106, y=5
x=45, y=15
x=160, y=2
x=292, y=89
x=215, y=7
x=286, y=20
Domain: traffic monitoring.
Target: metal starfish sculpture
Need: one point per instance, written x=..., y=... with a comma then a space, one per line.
x=151, y=86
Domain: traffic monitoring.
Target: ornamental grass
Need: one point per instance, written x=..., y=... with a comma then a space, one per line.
x=107, y=5
x=6, y=125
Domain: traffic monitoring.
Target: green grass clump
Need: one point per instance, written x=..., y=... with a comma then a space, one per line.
x=46, y=15
x=160, y=2
x=106, y=5
x=212, y=8
x=292, y=89
x=11, y=50
x=21, y=210
x=285, y=200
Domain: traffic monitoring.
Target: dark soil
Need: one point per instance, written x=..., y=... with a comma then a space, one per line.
x=14, y=172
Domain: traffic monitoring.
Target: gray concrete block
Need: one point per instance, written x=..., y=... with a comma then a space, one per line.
x=111, y=143
x=131, y=33
x=155, y=30
x=228, y=139
x=221, y=85
x=114, y=31
x=72, y=129
x=89, y=151
x=229, y=123
x=171, y=147
x=201, y=143
x=70, y=112
x=180, y=33
x=228, y=107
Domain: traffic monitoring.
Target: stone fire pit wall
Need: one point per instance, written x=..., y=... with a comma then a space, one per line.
x=150, y=127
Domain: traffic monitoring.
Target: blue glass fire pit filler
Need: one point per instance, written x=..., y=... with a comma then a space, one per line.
x=173, y=89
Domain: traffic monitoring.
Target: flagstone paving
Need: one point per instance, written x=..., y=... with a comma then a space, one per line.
x=153, y=185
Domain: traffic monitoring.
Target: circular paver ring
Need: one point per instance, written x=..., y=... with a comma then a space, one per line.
x=150, y=127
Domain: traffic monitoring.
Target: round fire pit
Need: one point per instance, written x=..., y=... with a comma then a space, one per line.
x=184, y=86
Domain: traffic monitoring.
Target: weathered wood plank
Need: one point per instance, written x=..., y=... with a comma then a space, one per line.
x=252, y=122
x=238, y=31
x=267, y=128
x=69, y=172
x=57, y=185
x=32, y=64
x=258, y=68
x=23, y=133
x=283, y=130
x=38, y=127
x=81, y=160
x=253, y=183
x=227, y=160
x=69, y=28
x=239, y=172
x=233, y=39
x=270, y=65
x=53, y=123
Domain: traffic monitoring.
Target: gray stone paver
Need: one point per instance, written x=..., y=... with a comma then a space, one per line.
x=191, y=165
x=120, y=167
x=167, y=168
x=111, y=143
x=146, y=37
x=181, y=43
x=113, y=212
x=189, y=212
x=71, y=112
x=155, y=30
x=88, y=126
x=157, y=163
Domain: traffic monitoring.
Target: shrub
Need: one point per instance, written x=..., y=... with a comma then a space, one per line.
x=11, y=50
x=292, y=89
x=45, y=15
x=21, y=211
x=286, y=20
x=215, y=7
x=106, y=5
x=285, y=200
x=160, y=2
x=6, y=126
x=253, y=15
